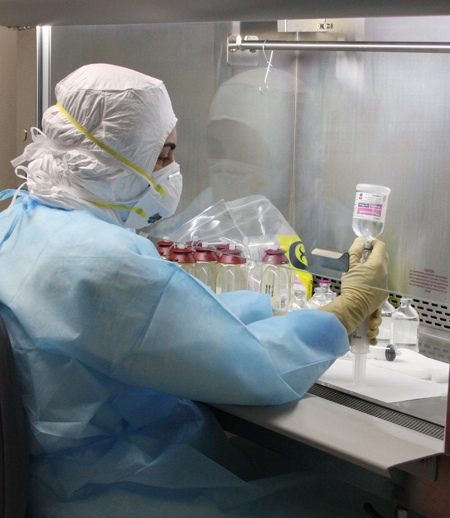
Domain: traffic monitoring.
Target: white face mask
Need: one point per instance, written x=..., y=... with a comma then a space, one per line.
x=153, y=206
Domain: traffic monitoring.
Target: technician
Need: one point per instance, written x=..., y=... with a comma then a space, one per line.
x=113, y=344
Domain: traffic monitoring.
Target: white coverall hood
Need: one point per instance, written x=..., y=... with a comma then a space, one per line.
x=122, y=111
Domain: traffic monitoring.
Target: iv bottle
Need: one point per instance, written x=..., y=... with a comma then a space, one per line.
x=276, y=277
x=231, y=275
x=369, y=211
x=205, y=265
x=405, y=326
x=184, y=256
x=384, y=331
x=298, y=299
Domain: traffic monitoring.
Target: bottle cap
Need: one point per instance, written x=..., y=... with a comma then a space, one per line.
x=231, y=257
x=194, y=242
x=181, y=254
x=275, y=256
x=164, y=246
x=376, y=189
x=390, y=353
x=203, y=253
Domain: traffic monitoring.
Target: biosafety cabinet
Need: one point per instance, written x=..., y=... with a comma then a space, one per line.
x=301, y=110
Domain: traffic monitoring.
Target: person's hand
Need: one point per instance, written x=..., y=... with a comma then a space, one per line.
x=374, y=325
x=363, y=288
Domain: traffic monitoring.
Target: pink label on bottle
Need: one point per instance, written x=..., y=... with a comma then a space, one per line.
x=369, y=209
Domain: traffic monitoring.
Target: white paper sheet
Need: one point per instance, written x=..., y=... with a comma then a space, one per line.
x=382, y=384
x=416, y=365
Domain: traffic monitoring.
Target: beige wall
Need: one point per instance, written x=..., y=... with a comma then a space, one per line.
x=8, y=62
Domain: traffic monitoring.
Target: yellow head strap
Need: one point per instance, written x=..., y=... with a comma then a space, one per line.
x=111, y=151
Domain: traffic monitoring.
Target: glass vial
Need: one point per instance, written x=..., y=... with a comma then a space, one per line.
x=384, y=331
x=276, y=279
x=205, y=265
x=299, y=298
x=184, y=256
x=231, y=275
x=405, y=326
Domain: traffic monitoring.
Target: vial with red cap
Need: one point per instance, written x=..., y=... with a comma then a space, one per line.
x=277, y=277
x=231, y=273
x=205, y=265
x=184, y=256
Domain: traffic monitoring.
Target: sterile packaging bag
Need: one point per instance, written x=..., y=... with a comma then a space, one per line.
x=254, y=224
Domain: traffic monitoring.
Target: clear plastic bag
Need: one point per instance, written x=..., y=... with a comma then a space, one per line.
x=254, y=224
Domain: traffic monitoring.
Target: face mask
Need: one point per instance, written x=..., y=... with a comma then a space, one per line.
x=153, y=206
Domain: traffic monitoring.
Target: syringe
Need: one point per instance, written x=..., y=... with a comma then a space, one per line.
x=360, y=342
x=377, y=352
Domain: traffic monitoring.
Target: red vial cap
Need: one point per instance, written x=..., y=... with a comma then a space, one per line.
x=202, y=253
x=182, y=254
x=164, y=247
x=232, y=257
x=275, y=256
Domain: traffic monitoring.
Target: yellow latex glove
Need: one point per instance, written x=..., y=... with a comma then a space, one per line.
x=363, y=288
x=374, y=326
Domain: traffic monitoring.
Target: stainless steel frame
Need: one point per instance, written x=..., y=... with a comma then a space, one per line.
x=236, y=43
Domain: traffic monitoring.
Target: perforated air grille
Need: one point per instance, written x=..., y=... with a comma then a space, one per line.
x=387, y=414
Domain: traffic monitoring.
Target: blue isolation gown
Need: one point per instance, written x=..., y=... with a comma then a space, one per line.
x=113, y=344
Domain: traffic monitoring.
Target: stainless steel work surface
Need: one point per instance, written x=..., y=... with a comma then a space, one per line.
x=348, y=434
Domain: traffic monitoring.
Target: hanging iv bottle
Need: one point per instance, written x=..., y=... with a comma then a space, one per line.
x=369, y=214
x=276, y=279
x=369, y=211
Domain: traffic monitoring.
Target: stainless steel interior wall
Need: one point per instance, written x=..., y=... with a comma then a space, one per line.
x=305, y=130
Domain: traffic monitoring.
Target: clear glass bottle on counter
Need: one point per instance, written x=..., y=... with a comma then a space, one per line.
x=405, y=326
x=298, y=299
x=325, y=284
x=385, y=329
x=318, y=299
